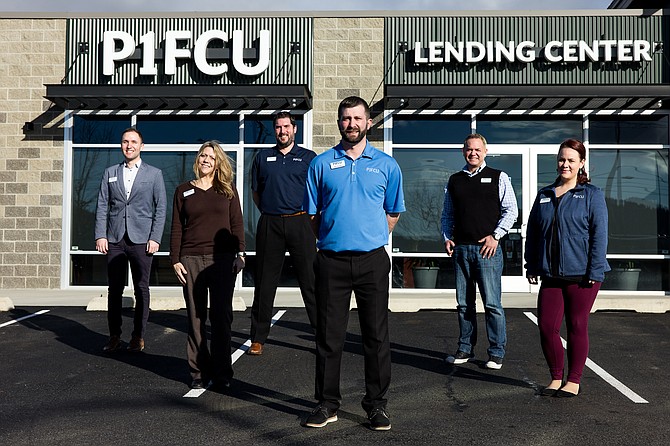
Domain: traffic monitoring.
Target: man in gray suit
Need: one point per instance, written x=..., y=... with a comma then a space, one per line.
x=129, y=223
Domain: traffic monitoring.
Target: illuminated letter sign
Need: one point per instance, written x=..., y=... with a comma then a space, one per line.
x=178, y=46
x=554, y=51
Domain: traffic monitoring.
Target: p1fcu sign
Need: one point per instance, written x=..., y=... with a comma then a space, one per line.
x=213, y=52
x=567, y=51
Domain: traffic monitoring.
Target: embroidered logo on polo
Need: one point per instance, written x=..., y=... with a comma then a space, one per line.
x=297, y=159
x=372, y=169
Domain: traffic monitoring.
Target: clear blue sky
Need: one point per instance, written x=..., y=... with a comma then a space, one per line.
x=289, y=5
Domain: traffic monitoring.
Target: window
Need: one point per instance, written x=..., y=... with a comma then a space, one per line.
x=631, y=130
x=96, y=146
x=512, y=130
x=430, y=130
x=635, y=183
x=189, y=130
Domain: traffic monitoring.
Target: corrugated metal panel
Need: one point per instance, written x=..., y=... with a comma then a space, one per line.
x=284, y=68
x=538, y=29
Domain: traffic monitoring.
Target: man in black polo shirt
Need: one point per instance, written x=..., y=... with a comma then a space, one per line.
x=278, y=178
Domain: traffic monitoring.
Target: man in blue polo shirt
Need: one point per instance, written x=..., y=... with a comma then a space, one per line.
x=278, y=178
x=354, y=197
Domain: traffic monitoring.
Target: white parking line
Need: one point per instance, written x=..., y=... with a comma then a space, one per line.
x=237, y=354
x=621, y=387
x=23, y=318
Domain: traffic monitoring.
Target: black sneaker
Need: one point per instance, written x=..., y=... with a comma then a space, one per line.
x=379, y=419
x=460, y=357
x=321, y=416
x=494, y=363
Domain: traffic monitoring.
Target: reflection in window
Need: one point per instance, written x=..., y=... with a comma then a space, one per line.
x=259, y=130
x=633, y=130
x=189, y=129
x=99, y=129
x=425, y=173
x=430, y=130
x=88, y=166
x=546, y=170
x=509, y=130
x=250, y=211
x=635, y=183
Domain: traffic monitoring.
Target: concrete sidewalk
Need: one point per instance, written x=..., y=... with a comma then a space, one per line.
x=401, y=301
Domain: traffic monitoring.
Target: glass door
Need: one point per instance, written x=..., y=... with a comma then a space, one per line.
x=529, y=168
x=514, y=161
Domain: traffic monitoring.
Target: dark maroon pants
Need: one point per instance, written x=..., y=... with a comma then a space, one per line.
x=574, y=300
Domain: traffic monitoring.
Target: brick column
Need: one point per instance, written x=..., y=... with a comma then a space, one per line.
x=348, y=60
x=31, y=159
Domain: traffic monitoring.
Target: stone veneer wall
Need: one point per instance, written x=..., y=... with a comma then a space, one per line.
x=348, y=60
x=31, y=161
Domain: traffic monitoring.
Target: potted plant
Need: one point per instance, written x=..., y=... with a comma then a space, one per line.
x=624, y=276
x=424, y=272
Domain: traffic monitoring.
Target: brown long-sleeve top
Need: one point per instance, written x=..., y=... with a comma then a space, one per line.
x=205, y=222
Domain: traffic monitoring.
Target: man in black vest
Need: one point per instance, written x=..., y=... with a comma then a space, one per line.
x=479, y=209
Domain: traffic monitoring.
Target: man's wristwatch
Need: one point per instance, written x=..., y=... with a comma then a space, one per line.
x=241, y=254
x=495, y=237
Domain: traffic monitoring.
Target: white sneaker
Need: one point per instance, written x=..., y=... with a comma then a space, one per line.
x=494, y=363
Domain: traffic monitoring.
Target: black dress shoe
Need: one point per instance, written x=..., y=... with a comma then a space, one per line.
x=197, y=384
x=220, y=385
x=563, y=394
x=548, y=392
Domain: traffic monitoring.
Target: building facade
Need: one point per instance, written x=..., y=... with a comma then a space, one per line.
x=69, y=85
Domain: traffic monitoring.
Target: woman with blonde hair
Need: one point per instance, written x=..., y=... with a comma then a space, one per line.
x=207, y=251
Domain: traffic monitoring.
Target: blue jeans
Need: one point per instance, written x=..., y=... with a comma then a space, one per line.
x=473, y=270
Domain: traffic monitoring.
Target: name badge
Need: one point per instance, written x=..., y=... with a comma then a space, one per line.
x=486, y=180
x=545, y=200
x=271, y=158
x=189, y=192
x=112, y=179
x=337, y=164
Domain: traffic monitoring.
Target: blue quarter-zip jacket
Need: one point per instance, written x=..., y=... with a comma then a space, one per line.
x=582, y=233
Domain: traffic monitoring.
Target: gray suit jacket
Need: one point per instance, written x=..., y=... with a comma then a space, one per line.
x=142, y=215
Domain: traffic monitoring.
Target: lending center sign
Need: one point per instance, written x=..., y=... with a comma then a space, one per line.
x=527, y=51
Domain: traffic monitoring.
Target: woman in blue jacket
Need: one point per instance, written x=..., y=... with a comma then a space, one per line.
x=566, y=245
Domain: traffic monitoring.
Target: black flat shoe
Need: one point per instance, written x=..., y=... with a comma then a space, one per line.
x=564, y=394
x=548, y=392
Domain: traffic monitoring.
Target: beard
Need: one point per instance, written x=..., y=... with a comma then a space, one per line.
x=351, y=139
x=285, y=144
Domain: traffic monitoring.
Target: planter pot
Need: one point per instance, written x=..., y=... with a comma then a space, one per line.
x=425, y=276
x=623, y=278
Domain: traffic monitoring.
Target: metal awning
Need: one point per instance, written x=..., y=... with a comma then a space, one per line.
x=180, y=97
x=527, y=97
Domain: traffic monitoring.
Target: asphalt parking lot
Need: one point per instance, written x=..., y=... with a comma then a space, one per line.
x=58, y=388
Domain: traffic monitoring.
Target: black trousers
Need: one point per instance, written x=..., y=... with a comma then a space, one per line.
x=118, y=256
x=274, y=236
x=367, y=275
x=213, y=275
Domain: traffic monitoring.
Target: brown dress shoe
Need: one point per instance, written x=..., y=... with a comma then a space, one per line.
x=255, y=349
x=136, y=344
x=112, y=345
